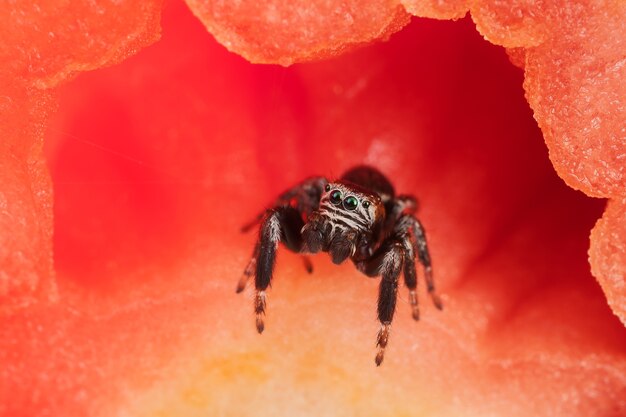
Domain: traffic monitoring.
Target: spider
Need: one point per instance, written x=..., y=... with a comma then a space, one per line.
x=357, y=216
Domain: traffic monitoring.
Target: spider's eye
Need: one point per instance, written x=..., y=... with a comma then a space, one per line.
x=366, y=204
x=335, y=197
x=350, y=203
x=327, y=188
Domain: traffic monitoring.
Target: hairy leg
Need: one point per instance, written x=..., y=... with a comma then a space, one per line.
x=280, y=224
x=424, y=258
x=250, y=269
x=387, y=262
x=305, y=197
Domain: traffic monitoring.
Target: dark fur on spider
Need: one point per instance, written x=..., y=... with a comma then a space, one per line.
x=357, y=216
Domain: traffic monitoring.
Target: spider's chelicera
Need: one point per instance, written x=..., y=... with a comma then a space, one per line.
x=357, y=217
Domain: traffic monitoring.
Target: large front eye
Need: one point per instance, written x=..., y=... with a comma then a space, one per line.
x=350, y=203
x=335, y=197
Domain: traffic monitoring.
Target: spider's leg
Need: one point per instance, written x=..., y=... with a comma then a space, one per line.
x=402, y=231
x=410, y=277
x=406, y=204
x=248, y=226
x=305, y=196
x=250, y=268
x=390, y=269
x=387, y=262
x=424, y=258
x=308, y=265
x=280, y=224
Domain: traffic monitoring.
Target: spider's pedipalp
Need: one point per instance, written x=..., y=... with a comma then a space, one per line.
x=314, y=233
x=342, y=246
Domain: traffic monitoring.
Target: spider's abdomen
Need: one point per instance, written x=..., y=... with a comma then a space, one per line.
x=371, y=179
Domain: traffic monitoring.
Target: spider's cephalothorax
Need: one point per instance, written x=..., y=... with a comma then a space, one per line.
x=357, y=217
x=345, y=222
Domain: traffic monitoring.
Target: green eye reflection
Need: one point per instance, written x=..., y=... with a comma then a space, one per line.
x=335, y=197
x=350, y=203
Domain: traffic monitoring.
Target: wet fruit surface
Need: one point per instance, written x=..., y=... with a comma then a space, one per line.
x=158, y=161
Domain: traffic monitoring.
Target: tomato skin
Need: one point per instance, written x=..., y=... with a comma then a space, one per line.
x=44, y=45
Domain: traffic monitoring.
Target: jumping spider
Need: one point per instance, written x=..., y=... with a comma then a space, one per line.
x=357, y=217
